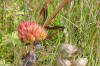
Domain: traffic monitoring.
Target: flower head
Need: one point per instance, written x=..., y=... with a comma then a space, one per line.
x=30, y=31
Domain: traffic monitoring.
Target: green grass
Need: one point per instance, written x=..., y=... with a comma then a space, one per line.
x=81, y=19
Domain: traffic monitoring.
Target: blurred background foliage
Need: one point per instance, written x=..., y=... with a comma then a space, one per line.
x=80, y=17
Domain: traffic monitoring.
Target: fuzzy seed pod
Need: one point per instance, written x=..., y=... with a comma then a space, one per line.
x=62, y=62
x=67, y=51
x=30, y=31
x=81, y=62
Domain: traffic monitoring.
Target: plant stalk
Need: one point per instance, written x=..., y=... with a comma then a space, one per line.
x=55, y=13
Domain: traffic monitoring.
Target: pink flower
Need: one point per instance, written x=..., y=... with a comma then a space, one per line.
x=30, y=31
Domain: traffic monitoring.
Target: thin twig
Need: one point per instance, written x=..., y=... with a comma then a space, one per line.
x=55, y=13
x=42, y=10
x=51, y=35
x=24, y=15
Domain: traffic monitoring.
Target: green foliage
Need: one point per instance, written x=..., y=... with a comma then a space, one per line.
x=80, y=18
x=8, y=46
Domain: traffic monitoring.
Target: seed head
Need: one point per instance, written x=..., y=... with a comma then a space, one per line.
x=68, y=50
x=81, y=62
x=62, y=62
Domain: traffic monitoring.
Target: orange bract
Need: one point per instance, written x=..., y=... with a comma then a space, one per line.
x=30, y=31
